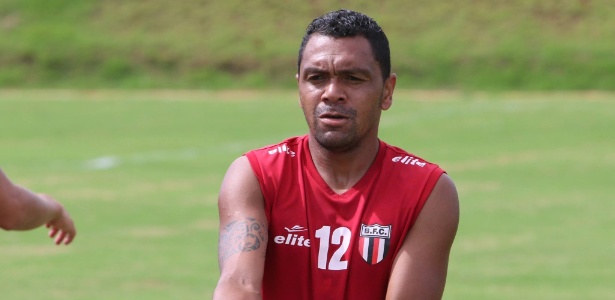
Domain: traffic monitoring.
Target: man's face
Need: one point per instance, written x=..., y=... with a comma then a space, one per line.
x=342, y=91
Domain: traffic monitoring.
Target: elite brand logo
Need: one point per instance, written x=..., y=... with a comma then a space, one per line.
x=293, y=239
x=282, y=149
x=295, y=228
x=409, y=160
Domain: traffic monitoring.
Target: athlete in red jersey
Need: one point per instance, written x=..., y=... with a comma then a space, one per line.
x=337, y=214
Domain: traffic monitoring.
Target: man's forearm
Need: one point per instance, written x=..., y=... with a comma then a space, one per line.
x=229, y=291
x=25, y=210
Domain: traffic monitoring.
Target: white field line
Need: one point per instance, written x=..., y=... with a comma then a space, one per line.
x=113, y=161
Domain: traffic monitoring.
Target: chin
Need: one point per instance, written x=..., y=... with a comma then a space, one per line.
x=336, y=141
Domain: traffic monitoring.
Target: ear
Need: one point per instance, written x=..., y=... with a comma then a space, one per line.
x=387, y=92
x=297, y=78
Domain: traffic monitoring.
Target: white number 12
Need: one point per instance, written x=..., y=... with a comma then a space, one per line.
x=341, y=236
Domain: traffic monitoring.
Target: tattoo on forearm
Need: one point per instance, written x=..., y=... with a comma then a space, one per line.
x=241, y=236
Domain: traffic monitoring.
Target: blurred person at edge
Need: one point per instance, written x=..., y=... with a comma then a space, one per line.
x=22, y=209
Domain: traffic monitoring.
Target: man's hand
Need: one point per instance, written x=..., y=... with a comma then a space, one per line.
x=61, y=227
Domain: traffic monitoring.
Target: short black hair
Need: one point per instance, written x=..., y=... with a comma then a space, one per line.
x=348, y=23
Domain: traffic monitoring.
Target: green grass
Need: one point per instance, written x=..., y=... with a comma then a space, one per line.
x=140, y=171
x=479, y=44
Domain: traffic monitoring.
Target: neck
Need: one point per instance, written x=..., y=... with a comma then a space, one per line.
x=342, y=170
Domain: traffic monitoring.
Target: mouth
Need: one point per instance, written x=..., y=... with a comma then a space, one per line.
x=335, y=116
x=333, y=119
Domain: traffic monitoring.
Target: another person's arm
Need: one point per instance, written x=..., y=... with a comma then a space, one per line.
x=420, y=268
x=243, y=234
x=21, y=209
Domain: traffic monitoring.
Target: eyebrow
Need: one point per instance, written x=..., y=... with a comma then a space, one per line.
x=362, y=71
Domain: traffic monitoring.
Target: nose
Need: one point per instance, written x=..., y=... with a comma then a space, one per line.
x=334, y=91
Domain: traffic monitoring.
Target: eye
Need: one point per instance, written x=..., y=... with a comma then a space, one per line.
x=354, y=79
x=315, y=78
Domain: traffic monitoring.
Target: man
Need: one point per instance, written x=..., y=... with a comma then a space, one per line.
x=337, y=214
x=21, y=209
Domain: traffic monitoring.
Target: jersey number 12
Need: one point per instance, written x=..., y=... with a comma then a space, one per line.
x=341, y=236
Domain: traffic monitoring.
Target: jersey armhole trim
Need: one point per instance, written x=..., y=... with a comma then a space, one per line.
x=433, y=178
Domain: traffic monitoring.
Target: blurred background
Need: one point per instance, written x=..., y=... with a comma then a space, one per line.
x=213, y=44
x=129, y=113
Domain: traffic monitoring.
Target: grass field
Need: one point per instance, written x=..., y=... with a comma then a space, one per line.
x=139, y=171
x=226, y=44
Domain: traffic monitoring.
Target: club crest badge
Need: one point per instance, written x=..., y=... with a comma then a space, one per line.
x=374, y=242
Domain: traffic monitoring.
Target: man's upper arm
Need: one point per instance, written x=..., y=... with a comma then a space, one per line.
x=4, y=204
x=243, y=234
x=9, y=209
x=420, y=267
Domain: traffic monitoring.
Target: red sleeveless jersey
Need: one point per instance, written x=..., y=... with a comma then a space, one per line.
x=323, y=245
